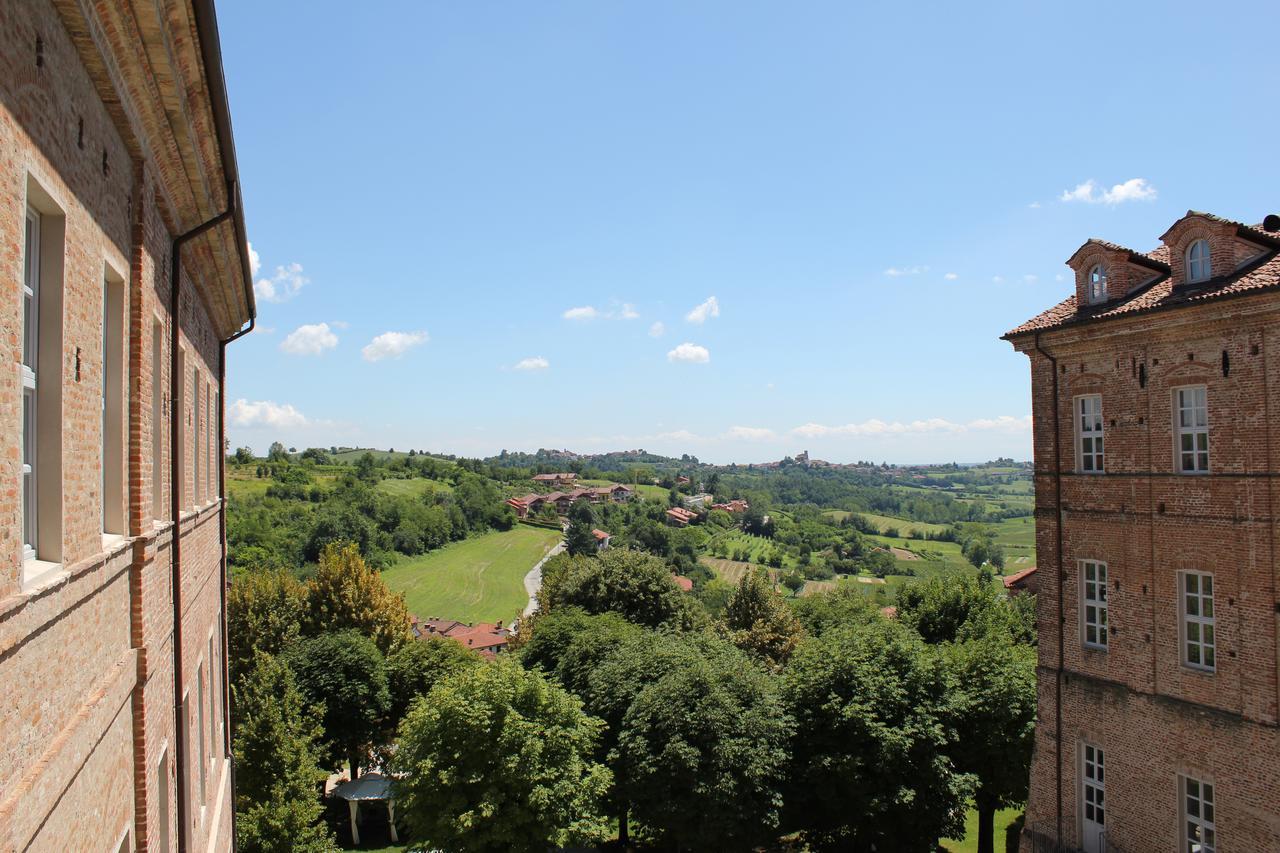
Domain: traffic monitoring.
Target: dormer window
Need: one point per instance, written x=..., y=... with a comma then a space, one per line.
x=1097, y=284
x=1198, y=261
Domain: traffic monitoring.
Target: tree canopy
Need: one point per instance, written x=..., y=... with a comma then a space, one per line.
x=496, y=758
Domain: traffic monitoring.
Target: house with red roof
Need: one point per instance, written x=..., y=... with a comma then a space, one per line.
x=1023, y=581
x=678, y=516
x=487, y=638
x=683, y=582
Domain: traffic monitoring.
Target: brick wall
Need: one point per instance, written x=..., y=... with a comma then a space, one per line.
x=1155, y=717
x=86, y=652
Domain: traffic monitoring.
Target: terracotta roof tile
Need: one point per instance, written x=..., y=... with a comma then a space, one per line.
x=1261, y=275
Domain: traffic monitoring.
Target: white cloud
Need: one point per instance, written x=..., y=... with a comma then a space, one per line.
x=533, y=362
x=1134, y=189
x=628, y=312
x=311, y=339
x=255, y=263
x=282, y=286
x=585, y=312
x=877, y=427
x=657, y=330
x=951, y=276
x=749, y=433
x=392, y=345
x=898, y=272
x=1059, y=277
x=998, y=279
x=1030, y=278
x=1035, y=205
x=264, y=413
x=699, y=315
x=690, y=353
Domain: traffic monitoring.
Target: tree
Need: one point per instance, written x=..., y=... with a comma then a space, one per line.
x=277, y=774
x=702, y=748
x=317, y=455
x=264, y=613
x=344, y=674
x=277, y=453
x=869, y=764
x=415, y=667
x=496, y=758
x=759, y=622
x=942, y=610
x=633, y=584
x=346, y=593
x=580, y=540
x=994, y=717
x=243, y=456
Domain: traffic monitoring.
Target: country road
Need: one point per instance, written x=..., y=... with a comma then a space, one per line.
x=533, y=580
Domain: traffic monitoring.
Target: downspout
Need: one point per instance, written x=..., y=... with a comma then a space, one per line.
x=1057, y=502
x=206, y=24
x=177, y=418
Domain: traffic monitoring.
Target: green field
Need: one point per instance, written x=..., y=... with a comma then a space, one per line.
x=477, y=579
x=884, y=522
x=413, y=488
x=1004, y=817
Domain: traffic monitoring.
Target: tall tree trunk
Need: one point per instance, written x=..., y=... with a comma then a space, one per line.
x=986, y=823
x=353, y=757
x=624, y=831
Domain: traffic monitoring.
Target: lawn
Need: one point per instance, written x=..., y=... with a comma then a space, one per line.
x=477, y=579
x=1004, y=817
x=412, y=488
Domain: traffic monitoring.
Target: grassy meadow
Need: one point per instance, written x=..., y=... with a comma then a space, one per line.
x=477, y=579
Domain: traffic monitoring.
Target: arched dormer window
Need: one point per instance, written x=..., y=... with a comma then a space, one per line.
x=1198, y=261
x=1097, y=284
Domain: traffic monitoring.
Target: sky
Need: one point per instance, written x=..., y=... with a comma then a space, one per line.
x=737, y=229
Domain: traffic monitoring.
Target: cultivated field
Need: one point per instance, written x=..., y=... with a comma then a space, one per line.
x=478, y=579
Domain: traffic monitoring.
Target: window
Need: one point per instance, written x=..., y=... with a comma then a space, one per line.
x=40, y=376
x=195, y=436
x=1093, y=586
x=1089, y=434
x=30, y=364
x=213, y=706
x=113, y=410
x=200, y=766
x=210, y=469
x=1198, y=261
x=178, y=410
x=1097, y=284
x=219, y=453
x=1199, y=833
x=162, y=792
x=1198, y=640
x=1093, y=797
x=157, y=420
x=1193, y=429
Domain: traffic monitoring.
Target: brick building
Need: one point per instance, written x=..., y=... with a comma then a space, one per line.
x=123, y=254
x=1156, y=399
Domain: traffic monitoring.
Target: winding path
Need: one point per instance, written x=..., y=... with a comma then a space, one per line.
x=533, y=580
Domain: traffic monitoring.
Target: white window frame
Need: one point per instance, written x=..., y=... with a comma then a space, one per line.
x=115, y=407
x=197, y=495
x=1191, y=421
x=1199, y=266
x=1093, y=597
x=1089, y=434
x=30, y=368
x=1093, y=779
x=1199, y=833
x=1199, y=632
x=1097, y=284
x=200, y=729
x=158, y=420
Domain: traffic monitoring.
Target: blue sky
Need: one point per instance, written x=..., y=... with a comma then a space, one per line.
x=736, y=230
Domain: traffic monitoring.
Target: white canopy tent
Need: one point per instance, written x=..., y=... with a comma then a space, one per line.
x=372, y=786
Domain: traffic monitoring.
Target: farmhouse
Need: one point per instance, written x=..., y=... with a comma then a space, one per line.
x=530, y=504
x=602, y=540
x=1156, y=458
x=699, y=500
x=1023, y=581
x=734, y=506
x=680, y=517
x=126, y=276
x=489, y=639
